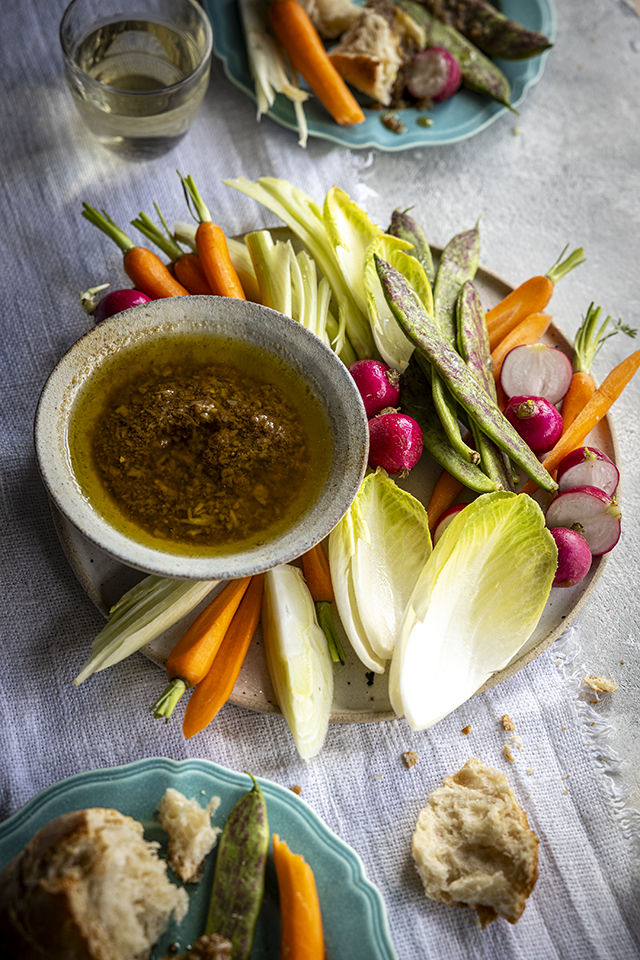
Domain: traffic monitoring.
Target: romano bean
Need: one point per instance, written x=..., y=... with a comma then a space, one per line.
x=489, y=29
x=405, y=227
x=478, y=72
x=238, y=883
x=423, y=331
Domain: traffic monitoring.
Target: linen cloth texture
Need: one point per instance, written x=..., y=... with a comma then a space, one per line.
x=585, y=904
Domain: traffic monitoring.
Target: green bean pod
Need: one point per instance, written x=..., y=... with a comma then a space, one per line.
x=478, y=72
x=423, y=331
x=238, y=883
x=405, y=227
x=490, y=30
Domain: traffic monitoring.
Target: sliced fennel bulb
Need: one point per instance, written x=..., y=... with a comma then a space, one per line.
x=376, y=553
x=298, y=657
x=476, y=602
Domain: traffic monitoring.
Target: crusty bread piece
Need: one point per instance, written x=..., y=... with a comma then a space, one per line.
x=374, y=48
x=191, y=836
x=473, y=847
x=331, y=17
x=87, y=886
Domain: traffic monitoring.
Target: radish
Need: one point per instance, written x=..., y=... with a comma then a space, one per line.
x=537, y=370
x=445, y=520
x=587, y=466
x=536, y=420
x=574, y=557
x=395, y=442
x=111, y=303
x=377, y=384
x=591, y=512
x=433, y=74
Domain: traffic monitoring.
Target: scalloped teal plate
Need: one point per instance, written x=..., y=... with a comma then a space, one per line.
x=464, y=115
x=354, y=916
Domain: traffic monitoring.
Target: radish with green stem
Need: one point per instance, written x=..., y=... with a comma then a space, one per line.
x=587, y=466
x=574, y=557
x=536, y=370
x=536, y=420
x=589, y=511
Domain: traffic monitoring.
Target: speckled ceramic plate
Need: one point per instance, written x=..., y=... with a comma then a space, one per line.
x=353, y=912
x=464, y=115
x=359, y=696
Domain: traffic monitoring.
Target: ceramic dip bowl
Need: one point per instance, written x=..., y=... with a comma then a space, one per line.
x=280, y=352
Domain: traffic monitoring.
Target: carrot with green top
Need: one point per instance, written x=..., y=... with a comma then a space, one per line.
x=596, y=408
x=587, y=344
x=301, y=936
x=212, y=247
x=213, y=691
x=146, y=270
x=532, y=296
x=186, y=266
x=190, y=660
x=297, y=34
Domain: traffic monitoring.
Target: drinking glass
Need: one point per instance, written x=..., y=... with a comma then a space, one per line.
x=137, y=75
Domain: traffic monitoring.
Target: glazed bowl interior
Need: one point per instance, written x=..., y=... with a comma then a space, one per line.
x=328, y=389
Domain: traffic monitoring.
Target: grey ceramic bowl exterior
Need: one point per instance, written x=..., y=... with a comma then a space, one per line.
x=328, y=380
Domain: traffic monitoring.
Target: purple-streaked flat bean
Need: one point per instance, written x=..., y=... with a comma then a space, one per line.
x=489, y=29
x=458, y=263
x=405, y=227
x=423, y=331
x=238, y=883
x=478, y=72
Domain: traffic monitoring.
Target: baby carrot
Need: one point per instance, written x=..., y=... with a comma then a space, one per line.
x=528, y=330
x=186, y=266
x=148, y=273
x=212, y=248
x=581, y=389
x=301, y=936
x=444, y=493
x=190, y=660
x=601, y=401
x=189, y=272
x=213, y=691
x=297, y=34
x=315, y=567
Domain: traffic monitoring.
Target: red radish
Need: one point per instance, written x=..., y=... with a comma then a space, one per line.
x=536, y=420
x=377, y=384
x=591, y=512
x=537, y=370
x=395, y=442
x=574, y=557
x=590, y=467
x=112, y=303
x=433, y=74
x=445, y=520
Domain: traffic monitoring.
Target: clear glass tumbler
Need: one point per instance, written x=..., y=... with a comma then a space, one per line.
x=137, y=76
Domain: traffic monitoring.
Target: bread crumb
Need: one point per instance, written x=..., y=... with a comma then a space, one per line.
x=507, y=722
x=623, y=661
x=296, y=789
x=410, y=758
x=531, y=771
x=466, y=730
x=600, y=683
x=507, y=752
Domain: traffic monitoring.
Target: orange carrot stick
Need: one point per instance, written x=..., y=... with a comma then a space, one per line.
x=532, y=296
x=297, y=34
x=301, y=936
x=212, y=248
x=315, y=567
x=581, y=389
x=611, y=388
x=442, y=497
x=213, y=691
x=190, y=660
x=527, y=331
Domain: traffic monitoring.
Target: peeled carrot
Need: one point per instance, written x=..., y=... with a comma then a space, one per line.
x=532, y=296
x=148, y=273
x=581, y=389
x=213, y=691
x=190, y=660
x=601, y=401
x=187, y=268
x=527, y=331
x=212, y=248
x=442, y=497
x=301, y=936
x=189, y=272
x=297, y=34
x=315, y=567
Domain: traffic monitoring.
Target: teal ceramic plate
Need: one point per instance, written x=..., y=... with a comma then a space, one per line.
x=353, y=911
x=459, y=118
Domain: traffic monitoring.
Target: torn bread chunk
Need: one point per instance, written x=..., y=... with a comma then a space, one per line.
x=191, y=836
x=331, y=17
x=473, y=847
x=601, y=684
x=376, y=46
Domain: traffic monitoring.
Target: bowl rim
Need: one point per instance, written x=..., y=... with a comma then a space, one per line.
x=325, y=374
